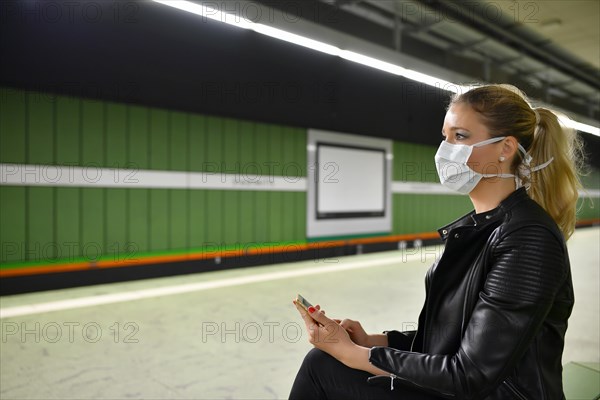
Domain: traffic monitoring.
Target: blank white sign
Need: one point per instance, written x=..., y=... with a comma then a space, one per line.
x=350, y=180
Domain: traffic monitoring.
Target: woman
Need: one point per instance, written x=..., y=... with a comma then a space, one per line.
x=499, y=297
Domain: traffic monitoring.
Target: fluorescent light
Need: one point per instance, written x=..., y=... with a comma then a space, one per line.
x=581, y=126
x=231, y=19
x=296, y=39
x=208, y=12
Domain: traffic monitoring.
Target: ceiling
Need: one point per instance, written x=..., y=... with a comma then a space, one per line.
x=573, y=25
x=551, y=49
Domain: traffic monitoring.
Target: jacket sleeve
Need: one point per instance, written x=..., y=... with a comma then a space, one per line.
x=400, y=340
x=527, y=269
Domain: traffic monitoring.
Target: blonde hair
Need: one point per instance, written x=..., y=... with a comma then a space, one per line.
x=505, y=110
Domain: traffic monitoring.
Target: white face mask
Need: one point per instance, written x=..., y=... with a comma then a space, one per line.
x=451, y=164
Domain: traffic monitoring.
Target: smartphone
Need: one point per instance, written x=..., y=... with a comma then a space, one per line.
x=303, y=302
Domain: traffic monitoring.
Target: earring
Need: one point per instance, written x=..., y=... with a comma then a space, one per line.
x=502, y=158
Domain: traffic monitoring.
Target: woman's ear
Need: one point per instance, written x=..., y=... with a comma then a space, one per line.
x=509, y=148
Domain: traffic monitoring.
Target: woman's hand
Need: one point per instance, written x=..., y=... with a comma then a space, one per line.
x=326, y=334
x=355, y=331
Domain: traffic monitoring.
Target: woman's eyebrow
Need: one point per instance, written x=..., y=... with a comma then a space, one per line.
x=455, y=128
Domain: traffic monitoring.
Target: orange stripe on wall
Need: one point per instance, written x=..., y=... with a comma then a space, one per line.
x=88, y=266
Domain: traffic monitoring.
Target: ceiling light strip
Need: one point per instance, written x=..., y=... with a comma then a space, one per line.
x=207, y=11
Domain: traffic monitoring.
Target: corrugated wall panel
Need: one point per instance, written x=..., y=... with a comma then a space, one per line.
x=116, y=221
x=214, y=145
x=197, y=218
x=93, y=224
x=246, y=216
x=40, y=224
x=92, y=136
x=67, y=228
x=13, y=132
x=116, y=136
x=276, y=216
x=138, y=224
x=138, y=137
x=231, y=218
x=197, y=142
x=158, y=218
x=159, y=138
x=214, y=217
x=14, y=223
x=426, y=213
x=178, y=220
x=41, y=126
x=261, y=216
x=67, y=131
x=414, y=163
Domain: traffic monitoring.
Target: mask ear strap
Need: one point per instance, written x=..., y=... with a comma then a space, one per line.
x=526, y=157
x=544, y=165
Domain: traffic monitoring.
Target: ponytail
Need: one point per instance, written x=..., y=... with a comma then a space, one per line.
x=556, y=187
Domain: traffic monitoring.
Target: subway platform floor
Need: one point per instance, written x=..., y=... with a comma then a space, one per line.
x=235, y=334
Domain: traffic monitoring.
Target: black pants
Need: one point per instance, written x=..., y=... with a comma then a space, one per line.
x=323, y=377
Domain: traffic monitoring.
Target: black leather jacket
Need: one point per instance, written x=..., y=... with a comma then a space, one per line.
x=496, y=310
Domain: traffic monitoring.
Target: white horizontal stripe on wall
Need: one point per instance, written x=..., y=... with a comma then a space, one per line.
x=420, y=188
x=93, y=176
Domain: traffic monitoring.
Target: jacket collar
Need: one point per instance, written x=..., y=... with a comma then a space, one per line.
x=482, y=219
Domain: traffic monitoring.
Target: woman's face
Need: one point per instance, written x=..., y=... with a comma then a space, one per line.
x=462, y=125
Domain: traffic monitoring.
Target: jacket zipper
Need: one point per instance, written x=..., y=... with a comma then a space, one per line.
x=513, y=389
x=392, y=377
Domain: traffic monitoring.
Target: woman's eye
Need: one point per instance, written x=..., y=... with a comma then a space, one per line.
x=460, y=136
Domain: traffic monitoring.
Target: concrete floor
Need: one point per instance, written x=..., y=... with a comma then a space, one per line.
x=228, y=334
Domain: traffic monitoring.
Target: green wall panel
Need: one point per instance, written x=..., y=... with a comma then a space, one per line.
x=138, y=143
x=13, y=134
x=158, y=217
x=261, y=148
x=159, y=137
x=92, y=136
x=215, y=212
x=12, y=223
x=178, y=126
x=588, y=208
x=41, y=124
x=214, y=145
x=249, y=170
x=137, y=220
x=247, y=200
x=261, y=217
x=275, y=151
x=230, y=150
x=178, y=220
x=300, y=216
x=197, y=218
x=288, y=222
x=275, y=216
x=67, y=130
x=93, y=223
x=68, y=215
x=116, y=222
x=40, y=223
x=414, y=213
x=197, y=140
x=414, y=163
x=231, y=217
x=116, y=135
